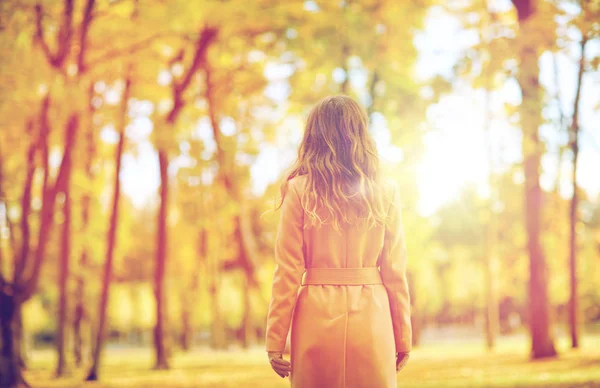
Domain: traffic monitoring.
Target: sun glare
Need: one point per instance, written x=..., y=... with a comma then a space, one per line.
x=455, y=153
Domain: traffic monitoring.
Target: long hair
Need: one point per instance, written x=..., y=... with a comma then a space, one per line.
x=340, y=161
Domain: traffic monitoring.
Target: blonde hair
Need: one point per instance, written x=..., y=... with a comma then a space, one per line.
x=340, y=161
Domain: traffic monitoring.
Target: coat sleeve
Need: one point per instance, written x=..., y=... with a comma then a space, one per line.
x=393, y=272
x=289, y=259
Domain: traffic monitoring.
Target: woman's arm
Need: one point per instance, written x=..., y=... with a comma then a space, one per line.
x=287, y=279
x=393, y=272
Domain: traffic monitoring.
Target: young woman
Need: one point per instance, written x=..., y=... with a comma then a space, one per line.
x=341, y=260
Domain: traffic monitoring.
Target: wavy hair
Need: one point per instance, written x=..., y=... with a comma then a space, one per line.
x=340, y=161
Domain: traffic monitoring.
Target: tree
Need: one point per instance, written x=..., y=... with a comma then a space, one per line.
x=57, y=60
x=80, y=312
x=204, y=40
x=63, y=308
x=111, y=235
x=231, y=179
x=589, y=29
x=530, y=113
x=574, y=145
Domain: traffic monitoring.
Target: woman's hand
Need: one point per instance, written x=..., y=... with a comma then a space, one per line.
x=282, y=367
x=401, y=360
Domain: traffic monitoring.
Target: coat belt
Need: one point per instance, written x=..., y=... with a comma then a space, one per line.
x=342, y=276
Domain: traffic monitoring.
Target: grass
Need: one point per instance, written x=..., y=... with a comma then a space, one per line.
x=451, y=364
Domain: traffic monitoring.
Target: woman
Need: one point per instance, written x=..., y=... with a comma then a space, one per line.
x=341, y=260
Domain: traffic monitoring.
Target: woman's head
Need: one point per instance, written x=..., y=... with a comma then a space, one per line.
x=339, y=158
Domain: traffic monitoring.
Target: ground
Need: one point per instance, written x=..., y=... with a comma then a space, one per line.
x=450, y=364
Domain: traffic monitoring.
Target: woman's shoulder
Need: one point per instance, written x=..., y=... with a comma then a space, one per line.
x=298, y=182
x=390, y=189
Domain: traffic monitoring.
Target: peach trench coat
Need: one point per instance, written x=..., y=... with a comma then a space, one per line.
x=341, y=335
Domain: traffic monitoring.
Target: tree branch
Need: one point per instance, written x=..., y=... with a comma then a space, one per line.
x=372, y=87
x=47, y=212
x=561, y=122
x=64, y=35
x=214, y=123
x=39, y=33
x=21, y=259
x=525, y=8
x=203, y=42
x=85, y=26
x=118, y=52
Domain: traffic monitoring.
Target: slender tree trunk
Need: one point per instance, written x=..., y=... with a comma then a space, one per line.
x=186, y=329
x=345, y=55
x=491, y=243
x=63, y=281
x=247, y=328
x=203, y=42
x=415, y=316
x=561, y=125
x=161, y=255
x=372, y=93
x=218, y=328
x=111, y=238
x=246, y=331
x=188, y=296
x=78, y=333
x=542, y=344
x=574, y=143
x=218, y=340
x=86, y=201
x=244, y=235
x=21, y=259
x=573, y=308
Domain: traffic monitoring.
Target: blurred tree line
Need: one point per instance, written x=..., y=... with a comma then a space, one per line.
x=209, y=87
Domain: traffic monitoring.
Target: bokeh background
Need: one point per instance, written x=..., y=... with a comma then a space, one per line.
x=142, y=144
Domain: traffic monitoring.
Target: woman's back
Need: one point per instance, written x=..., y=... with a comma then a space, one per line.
x=355, y=245
x=340, y=279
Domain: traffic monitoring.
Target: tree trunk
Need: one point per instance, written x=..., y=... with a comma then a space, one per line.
x=203, y=42
x=79, y=310
x=21, y=260
x=415, y=320
x=20, y=344
x=491, y=297
x=574, y=143
x=218, y=340
x=244, y=248
x=226, y=174
x=491, y=243
x=10, y=370
x=573, y=308
x=11, y=362
x=159, y=274
x=530, y=111
x=186, y=329
x=189, y=295
x=78, y=334
x=111, y=238
x=372, y=93
x=47, y=210
x=345, y=56
x=247, y=328
x=63, y=280
x=218, y=329
x=491, y=311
